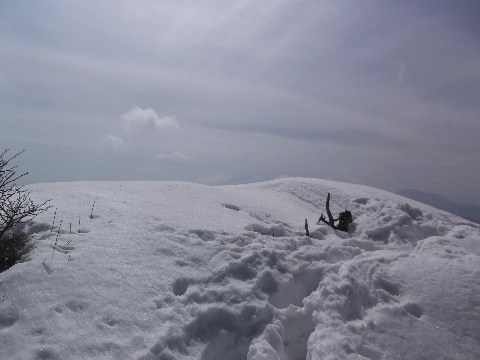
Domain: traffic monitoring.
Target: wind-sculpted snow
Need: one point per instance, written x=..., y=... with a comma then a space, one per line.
x=168, y=270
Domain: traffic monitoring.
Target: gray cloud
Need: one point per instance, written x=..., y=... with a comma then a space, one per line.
x=382, y=93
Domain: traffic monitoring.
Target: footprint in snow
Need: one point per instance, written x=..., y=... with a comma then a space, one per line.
x=7, y=320
x=47, y=267
x=181, y=284
x=413, y=309
x=231, y=207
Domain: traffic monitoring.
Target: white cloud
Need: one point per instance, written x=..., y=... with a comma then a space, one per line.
x=220, y=178
x=176, y=155
x=112, y=141
x=138, y=118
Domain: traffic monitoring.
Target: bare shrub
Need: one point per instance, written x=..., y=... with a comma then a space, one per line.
x=16, y=208
x=12, y=247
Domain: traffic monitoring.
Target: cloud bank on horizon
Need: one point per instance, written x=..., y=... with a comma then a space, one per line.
x=384, y=94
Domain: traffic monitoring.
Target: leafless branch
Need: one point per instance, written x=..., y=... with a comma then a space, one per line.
x=16, y=207
x=344, y=219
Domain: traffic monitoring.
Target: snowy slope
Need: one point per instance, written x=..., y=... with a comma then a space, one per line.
x=169, y=270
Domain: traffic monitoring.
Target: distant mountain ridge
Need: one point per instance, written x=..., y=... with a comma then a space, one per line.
x=468, y=211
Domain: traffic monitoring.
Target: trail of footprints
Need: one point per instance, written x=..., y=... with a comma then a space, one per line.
x=60, y=240
x=270, y=271
x=268, y=274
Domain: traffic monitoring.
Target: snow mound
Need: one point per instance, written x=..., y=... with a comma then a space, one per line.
x=170, y=270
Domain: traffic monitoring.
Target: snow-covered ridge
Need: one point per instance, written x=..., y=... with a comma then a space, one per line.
x=170, y=270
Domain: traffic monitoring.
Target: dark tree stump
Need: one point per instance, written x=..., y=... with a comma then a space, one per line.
x=344, y=219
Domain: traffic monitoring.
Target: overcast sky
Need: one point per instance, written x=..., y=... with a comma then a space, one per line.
x=382, y=93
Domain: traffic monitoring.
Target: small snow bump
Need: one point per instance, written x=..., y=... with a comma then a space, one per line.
x=46, y=235
x=381, y=233
x=166, y=354
x=413, y=212
x=266, y=282
x=388, y=286
x=277, y=230
x=241, y=271
x=205, y=235
x=34, y=228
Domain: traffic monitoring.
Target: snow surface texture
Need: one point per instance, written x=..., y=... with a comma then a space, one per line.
x=169, y=270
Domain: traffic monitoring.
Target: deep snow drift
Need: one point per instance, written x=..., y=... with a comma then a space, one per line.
x=169, y=270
